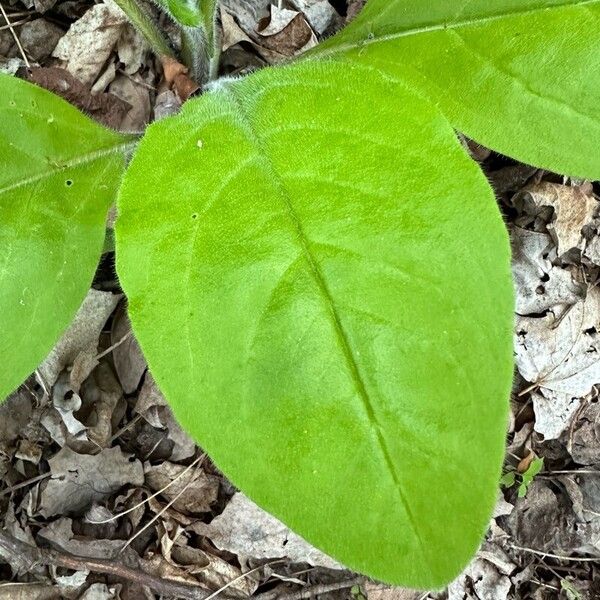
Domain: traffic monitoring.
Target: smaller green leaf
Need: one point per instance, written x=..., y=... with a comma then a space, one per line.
x=508, y=479
x=570, y=590
x=534, y=468
x=60, y=172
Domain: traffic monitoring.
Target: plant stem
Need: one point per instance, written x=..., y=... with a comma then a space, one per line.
x=144, y=23
x=194, y=52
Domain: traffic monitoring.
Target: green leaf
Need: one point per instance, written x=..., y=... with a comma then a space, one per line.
x=323, y=293
x=508, y=479
x=192, y=13
x=60, y=172
x=515, y=75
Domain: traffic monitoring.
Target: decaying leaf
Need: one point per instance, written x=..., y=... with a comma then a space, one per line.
x=194, y=492
x=248, y=531
x=486, y=581
x=80, y=479
x=106, y=108
x=127, y=355
x=85, y=48
x=153, y=406
x=565, y=209
x=559, y=354
x=539, y=285
x=80, y=341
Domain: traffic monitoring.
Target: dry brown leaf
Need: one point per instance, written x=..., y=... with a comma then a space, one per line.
x=78, y=480
x=105, y=108
x=85, y=48
x=573, y=209
x=39, y=38
x=81, y=339
x=320, y=14
x=561, y=357
x=539, y=285
x=286, y=33
x=249, y=532
x=198, y=489
x=127, y=355
x=380, y=591
x=153, y=406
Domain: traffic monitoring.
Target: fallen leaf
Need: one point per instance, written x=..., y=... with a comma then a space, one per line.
x=105, y=108
x=196, y=491
x=79, y=479
x=287, y=33
x=560, y=357
x=153, y=406
x=484, y=579
x=248, y=531
x=573, y=208
x=539, y=285
x=39, y=38
x=127, y=356
x=88, y=43
x=380, y=591
x=320, y=14
x=81, y=339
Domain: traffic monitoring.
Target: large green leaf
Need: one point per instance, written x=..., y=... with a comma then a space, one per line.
x=519, y=76
x=60, y=172
x=319, y=278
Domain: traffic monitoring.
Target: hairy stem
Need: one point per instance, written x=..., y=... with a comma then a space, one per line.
x=144, y=23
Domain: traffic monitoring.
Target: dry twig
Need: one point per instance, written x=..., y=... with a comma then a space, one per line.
x=48, y=557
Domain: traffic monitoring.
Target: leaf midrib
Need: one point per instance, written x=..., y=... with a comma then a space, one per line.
x=339, y=329
x=83, y=159
x=337, y=49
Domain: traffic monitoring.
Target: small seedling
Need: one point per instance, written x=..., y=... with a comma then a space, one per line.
x=511, y=478
x=322, y=286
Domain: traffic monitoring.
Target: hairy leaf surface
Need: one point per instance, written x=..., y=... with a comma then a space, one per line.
x=519, y=76
x=60, y=172
x=192, y=13
x=323, y=293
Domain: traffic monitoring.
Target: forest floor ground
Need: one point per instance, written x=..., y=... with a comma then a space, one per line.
x=106, y=475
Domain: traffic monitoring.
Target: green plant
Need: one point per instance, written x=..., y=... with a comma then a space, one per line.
x=524, y=479
x=317, y=272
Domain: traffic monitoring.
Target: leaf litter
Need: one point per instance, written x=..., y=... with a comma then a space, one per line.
x=95, y=465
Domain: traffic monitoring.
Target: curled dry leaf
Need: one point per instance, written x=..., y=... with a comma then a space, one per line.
x=80, y=341
x=319, y=13
x=153, y=407
x=286, y=33
x=176, y=77
x=484, y=579
x=127, y=355
x=246, y=530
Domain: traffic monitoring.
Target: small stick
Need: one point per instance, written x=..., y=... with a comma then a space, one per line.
x=18, y=486
x=14, y=34
x=49, y=557
x=311, y=591
x=556, y=556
